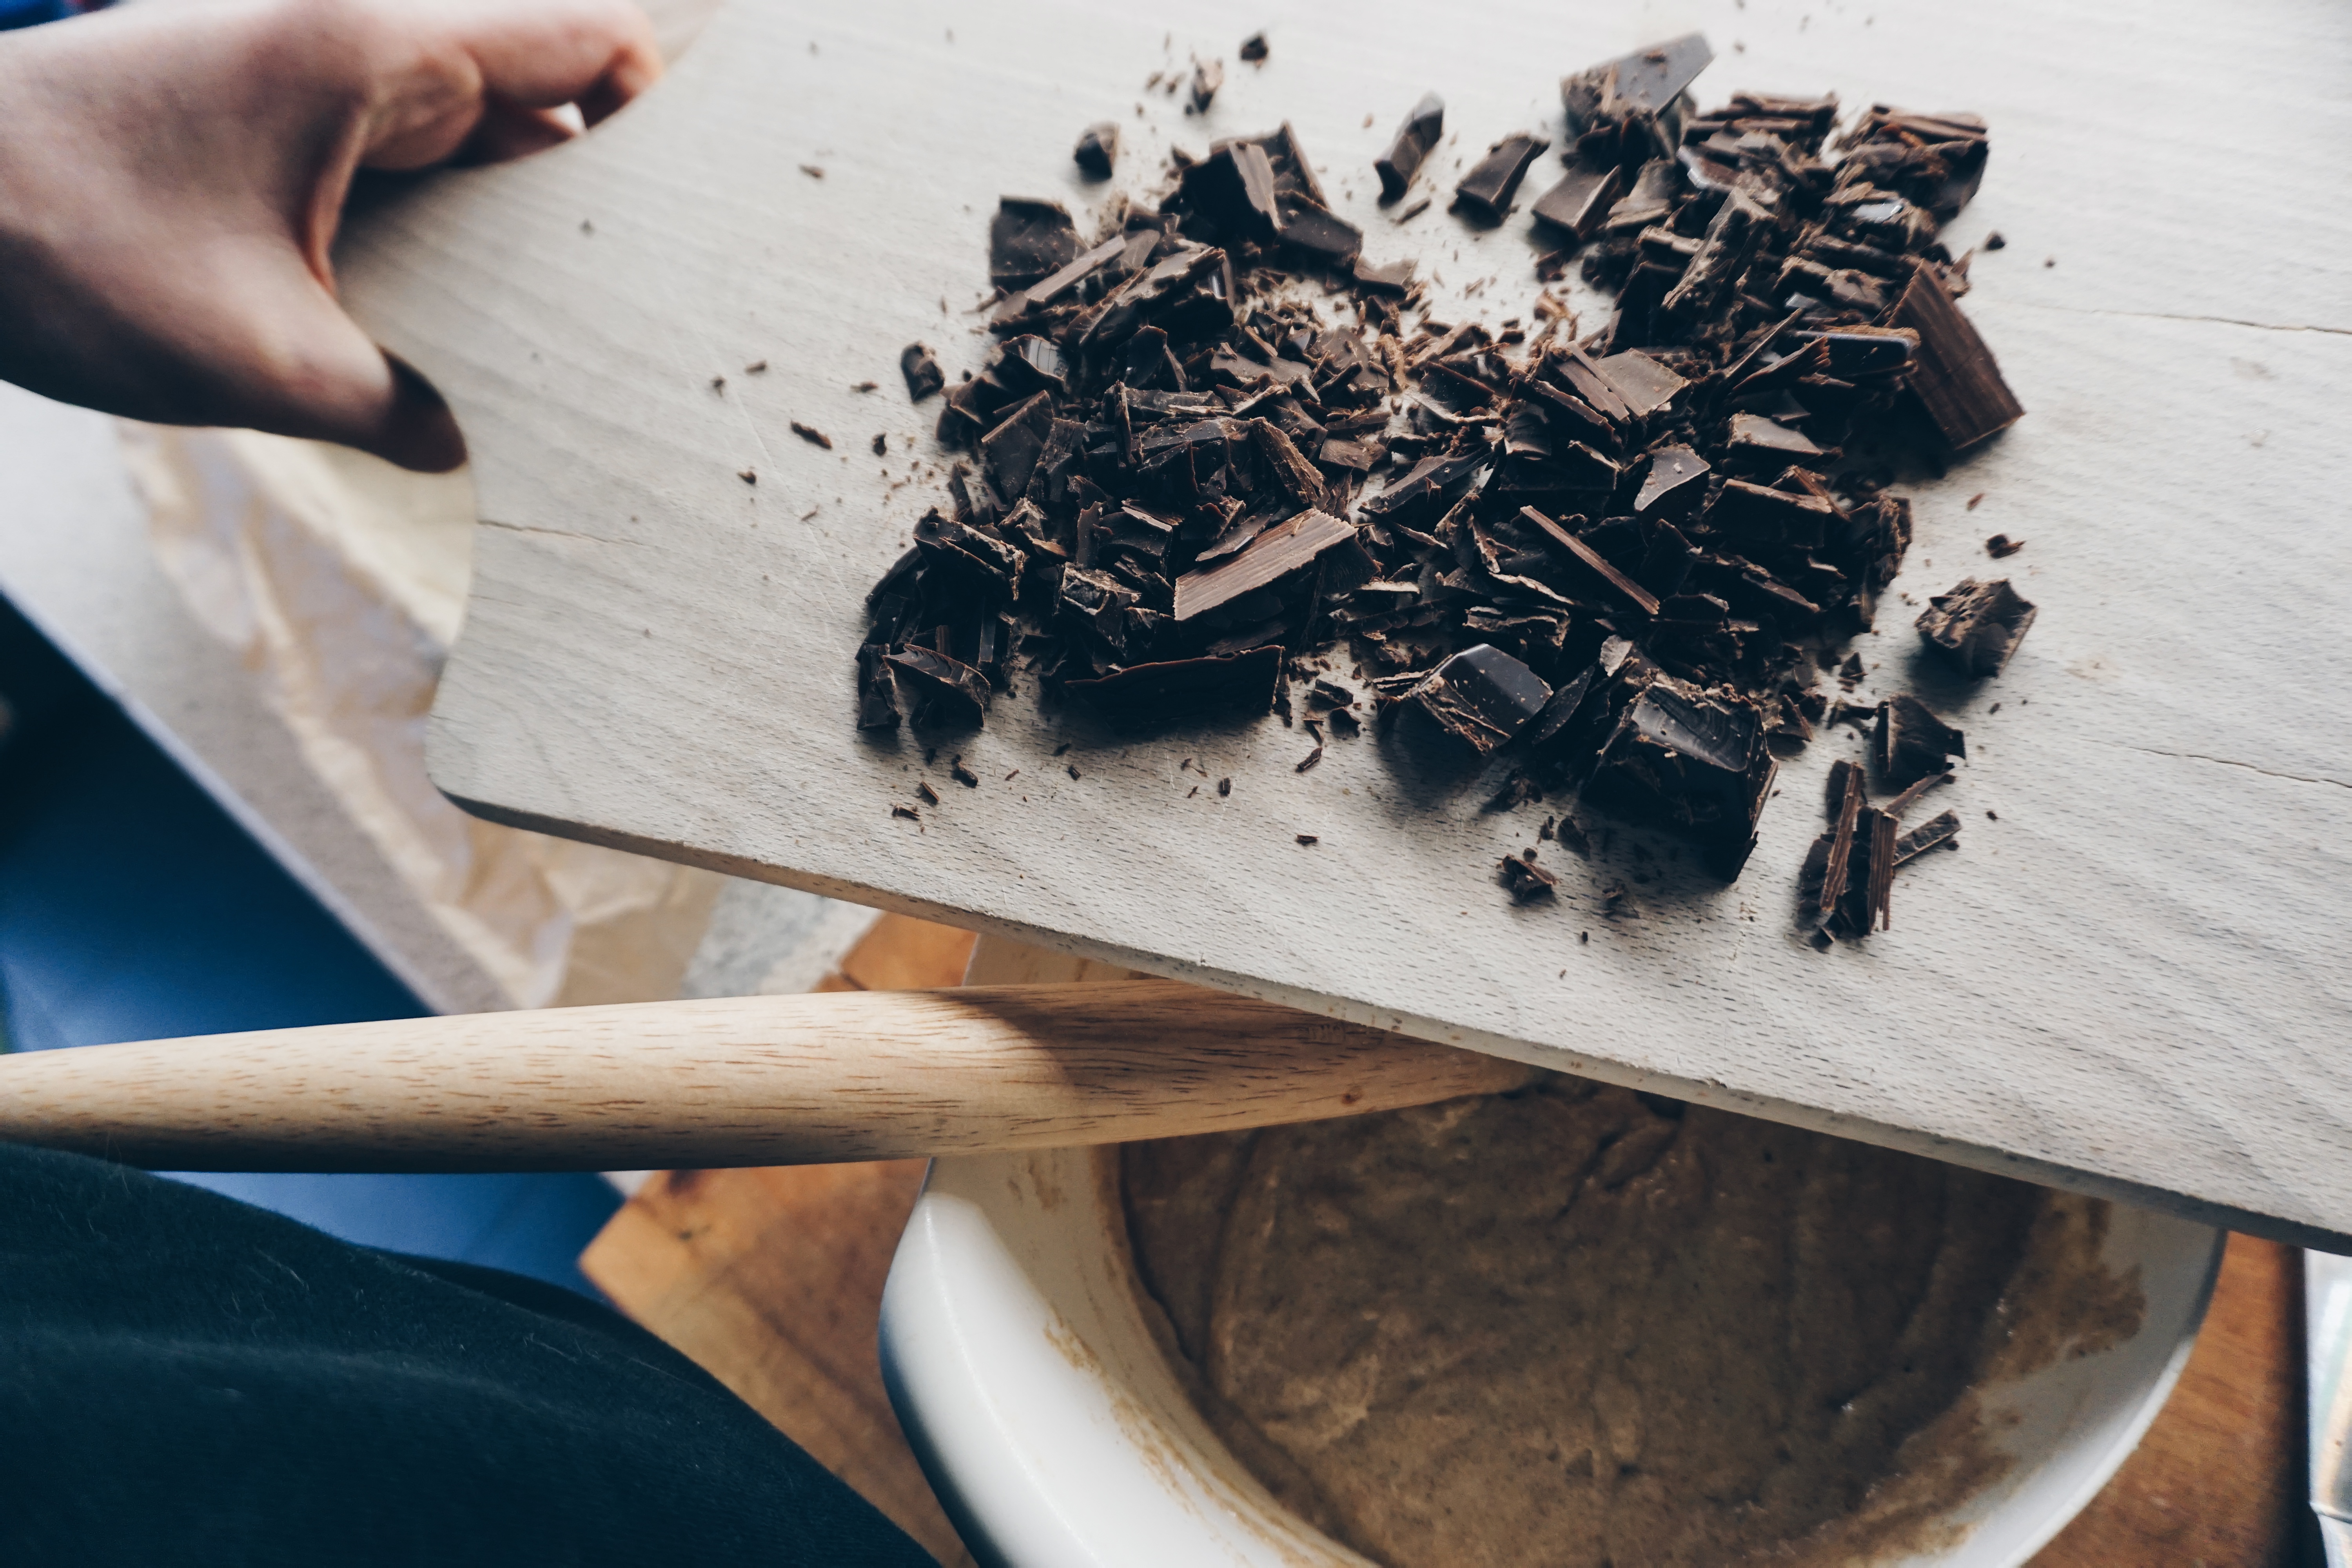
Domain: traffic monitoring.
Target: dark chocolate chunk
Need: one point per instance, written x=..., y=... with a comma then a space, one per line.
x=1394, y=277
x=1641, y=383
x=1755, y=436
x=1481, y=696
x=1224, y=786
x=1421, y=130
x=1977, y=624
x=1098, y=149
x=1580, y=201
x=1284, y=547
x=1675, y=484
x=877, y=697
x=1253, y=48
x=949, y=693
x=1524, y=879
x=1144, y=694
x=2000, y=546
x=1937, y=831
x=1692, y=761
x=1955, y=377
x=1312, y=229
x=923, y=374
x=1646, y=81
x=813, y=436
x=1028, y=239
x=1485, y=193
x=1910, y=743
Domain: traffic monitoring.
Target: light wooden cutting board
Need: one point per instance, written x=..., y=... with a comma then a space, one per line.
x=2134, y=980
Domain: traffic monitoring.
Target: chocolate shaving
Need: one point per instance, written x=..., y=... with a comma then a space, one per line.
x=813, y=436
x=1937, y=831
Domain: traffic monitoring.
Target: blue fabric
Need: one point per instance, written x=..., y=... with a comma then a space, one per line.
x=26, y=13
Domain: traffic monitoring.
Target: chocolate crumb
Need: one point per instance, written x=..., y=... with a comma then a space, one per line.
x=813, y=436
x=1072, y=768
x=1224, y=786
x=1308, y=838
x=2000, y=546
x=1313, y=757
x=757, y=367
x=964, y=775
x=748, y=475
x=1976, y=501
x=922, y=372
x=1995, y=240
x=811, y=170
x=881, y=444
x=1524, y=879
x=931, y=796
x=908, y=811
x=1253, y=48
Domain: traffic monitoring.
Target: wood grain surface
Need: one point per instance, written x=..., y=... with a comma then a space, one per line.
x=811, y=1080
x=771, y=1280
x=2130, y=980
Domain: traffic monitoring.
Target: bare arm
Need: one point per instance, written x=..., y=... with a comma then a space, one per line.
x=172, y=173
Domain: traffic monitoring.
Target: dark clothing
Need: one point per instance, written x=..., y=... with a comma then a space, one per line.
x=187, y=1380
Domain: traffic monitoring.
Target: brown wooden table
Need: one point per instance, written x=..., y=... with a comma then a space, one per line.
x=772, y=1279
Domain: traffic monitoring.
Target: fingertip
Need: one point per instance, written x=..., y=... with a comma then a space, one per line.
x=417, y=431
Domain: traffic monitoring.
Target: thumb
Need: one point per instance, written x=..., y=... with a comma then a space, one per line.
x=307, y=370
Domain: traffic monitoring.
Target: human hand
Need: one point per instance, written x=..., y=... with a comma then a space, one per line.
x=172, y=173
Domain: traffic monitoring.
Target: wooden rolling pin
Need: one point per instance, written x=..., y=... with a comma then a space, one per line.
x=757, y=1081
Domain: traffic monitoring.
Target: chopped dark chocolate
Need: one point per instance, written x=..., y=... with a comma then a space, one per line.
x=1910, y=743
x=1937, y=831
x=1955, y=377
x=813, y=436
x=1978, y=624
x=1028, y=239
x=2000, y=546
x=930, y=797
x=1485, y=193
x=1310, y=759
x=907, y=812
x=922, y=372
x=877, y=697
x=1900, y=806
x=1524, y=879
x=1145, y=694
x=1308, y=838
x=1580, y=201
x=964, y=775
x=1629, y=553
x=1098, y=149
x=1421, y=130
x=1481, y=696
x=949, y=693
x=1253, y=48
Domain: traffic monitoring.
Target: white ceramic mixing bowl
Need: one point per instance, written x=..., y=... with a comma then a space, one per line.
x=1017, y=1354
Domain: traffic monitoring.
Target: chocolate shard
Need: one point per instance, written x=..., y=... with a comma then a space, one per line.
x=1937, y=831
x=1675, y=484
x=1421, y=130
x=1738, y=226
x=877, y=697
x=949, y=693
x=1641, y=383
x=1847, y=795
x=923, y=374
x=1579, y=203
x=1754, y=436
x=1292, y=471
x=1394, y=277
x=1238, y=684
x=1900, y=806
x=1208, y=76
x=1098, y=149
x=1011, y=449
x=1311, y=228
x=1481, y=696
x=1646, y=81
x=1759, y=514
x=1910, y=743
x=1028, y=239
x=1851, y=352
x=1284, y=547
x=1485, y=193
x=1253, y=48
x=1977, y=624
x=1056, y=284
x=1955, y=377
x=1524, y=879
x=1691, y=761
x=1639, y=597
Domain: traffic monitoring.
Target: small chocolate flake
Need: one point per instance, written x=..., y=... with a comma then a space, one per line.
x=1073, y=768
x=1523, y=879
x=757, y=367
x=1308, y=838
x=2000, y=546
x=718, y=384
x=881, y=444
x=1412, y=211
x=1313, y=757
x=1253, y=48
x=1011, y=776
x=1584, y=936
x=1976, y=501
x=1193, y=791
x=1224, y=786
x=1940, y=829
x=1996, y=240
x=864, y=385
x=1910, y=743
x=931, y=796
x=1098, y=149
x=811, y=170
x=748, y=475
x=908, y=811
x=964, y=775
x=813, y=436
x=1208, y=76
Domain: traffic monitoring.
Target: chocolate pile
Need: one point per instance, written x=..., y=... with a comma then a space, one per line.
x=1621, y=562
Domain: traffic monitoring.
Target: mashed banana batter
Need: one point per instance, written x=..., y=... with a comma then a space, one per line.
x=1573, y=1325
